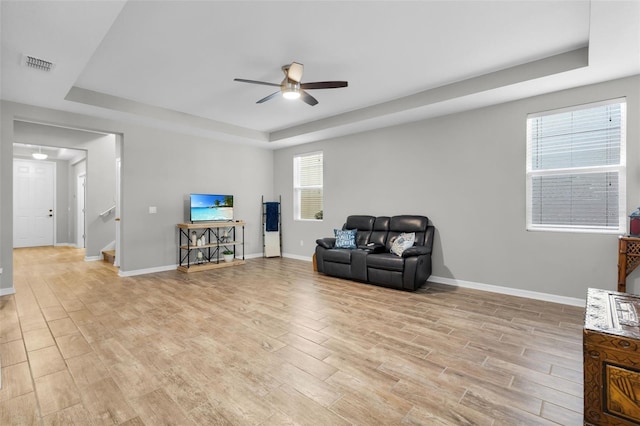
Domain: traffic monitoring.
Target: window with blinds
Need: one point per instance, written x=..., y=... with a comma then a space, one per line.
x=307, y=186
x=576, y=168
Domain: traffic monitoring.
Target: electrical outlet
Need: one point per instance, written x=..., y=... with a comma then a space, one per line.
x=301, y=243
x=153, y=210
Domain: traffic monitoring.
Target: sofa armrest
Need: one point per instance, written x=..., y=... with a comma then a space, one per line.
x=372, y=248
x=416, y=251
x=328, y=242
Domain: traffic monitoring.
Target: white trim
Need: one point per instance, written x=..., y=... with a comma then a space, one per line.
x=488, y=287
x=571, y=108
x=295, y=256
x=135, y=272
x=165, y=268
x=92, y=258
x=510, y=291
x=7, y=291
x=564, y=300
x=64, y=245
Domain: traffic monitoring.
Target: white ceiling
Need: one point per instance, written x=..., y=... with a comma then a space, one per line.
x=171, y=64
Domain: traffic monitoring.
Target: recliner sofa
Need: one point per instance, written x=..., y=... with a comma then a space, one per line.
x=371, y=259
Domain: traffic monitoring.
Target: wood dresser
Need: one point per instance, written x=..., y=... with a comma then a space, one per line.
x=611, y=341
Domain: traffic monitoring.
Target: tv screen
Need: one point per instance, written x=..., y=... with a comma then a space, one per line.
x=211, y=207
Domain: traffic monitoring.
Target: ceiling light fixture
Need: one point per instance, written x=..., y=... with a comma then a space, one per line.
x=39, y=155
x=291, y=94
x=291, y=89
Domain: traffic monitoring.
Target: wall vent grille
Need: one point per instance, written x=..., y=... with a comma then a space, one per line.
x=37, y=63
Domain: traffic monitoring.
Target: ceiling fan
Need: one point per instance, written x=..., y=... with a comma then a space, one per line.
x=292, y=88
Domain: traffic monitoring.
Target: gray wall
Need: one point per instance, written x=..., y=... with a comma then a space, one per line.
x=466, y=172
x=159, y=168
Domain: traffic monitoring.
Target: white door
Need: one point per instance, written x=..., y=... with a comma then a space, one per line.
x=33, y=203
x=80, y=197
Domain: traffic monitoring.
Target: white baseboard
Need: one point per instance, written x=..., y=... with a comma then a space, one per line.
x=7, y=291
x=135, y=272
x=92, y=258
x=488, y=287
x=298, y=257
x=440, y=280
x=166, y=268
x=64, y=245
x=510, y=291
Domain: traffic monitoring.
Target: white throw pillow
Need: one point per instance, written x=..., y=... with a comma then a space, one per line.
x=403, y=242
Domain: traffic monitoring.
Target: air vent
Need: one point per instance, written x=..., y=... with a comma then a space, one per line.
x=37, y=63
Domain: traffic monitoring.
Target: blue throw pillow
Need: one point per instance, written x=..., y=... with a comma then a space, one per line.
x=346, y=238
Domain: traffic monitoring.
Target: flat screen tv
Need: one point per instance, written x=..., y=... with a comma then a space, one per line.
x=211, y=207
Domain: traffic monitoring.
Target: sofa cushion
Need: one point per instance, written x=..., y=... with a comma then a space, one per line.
x=402, y=242
x=345, y=238
x=380, y=230
x=387, y=261
x=338, y=255
x=364, y=225
x=409, y=223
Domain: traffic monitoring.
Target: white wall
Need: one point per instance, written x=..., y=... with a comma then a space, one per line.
x=159, y=168
x=466, y=172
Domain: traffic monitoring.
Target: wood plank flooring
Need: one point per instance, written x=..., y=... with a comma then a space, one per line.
x=271, y=342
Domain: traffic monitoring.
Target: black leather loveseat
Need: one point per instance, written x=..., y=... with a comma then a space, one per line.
x=372, y=260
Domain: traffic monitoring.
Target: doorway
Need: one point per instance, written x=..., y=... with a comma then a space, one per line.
x=76, y=152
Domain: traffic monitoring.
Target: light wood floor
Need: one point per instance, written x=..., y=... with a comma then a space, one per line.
x=271, y=342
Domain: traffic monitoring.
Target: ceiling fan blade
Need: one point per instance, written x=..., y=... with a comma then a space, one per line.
x=307, y=98
x=295, y=72
x=266, y=98
x=264, y=83
x=324, y=85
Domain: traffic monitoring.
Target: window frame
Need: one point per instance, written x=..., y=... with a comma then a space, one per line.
x=297, y=187
x=619, y=168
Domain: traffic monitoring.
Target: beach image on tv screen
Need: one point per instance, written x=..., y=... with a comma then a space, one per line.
x=211, y=207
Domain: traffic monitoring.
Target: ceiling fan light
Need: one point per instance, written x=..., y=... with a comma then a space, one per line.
x=291, y=94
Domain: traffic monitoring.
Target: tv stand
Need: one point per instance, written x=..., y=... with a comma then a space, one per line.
x=218, y=237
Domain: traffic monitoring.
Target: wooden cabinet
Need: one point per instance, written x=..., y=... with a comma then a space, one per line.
x=611, y=343
x=202, y=245
x=628, y=259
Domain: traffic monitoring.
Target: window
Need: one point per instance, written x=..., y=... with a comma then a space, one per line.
x=307, y=186
x=576, y=169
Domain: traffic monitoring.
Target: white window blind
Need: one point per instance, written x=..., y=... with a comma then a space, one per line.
x=307, y=185
x=576, y=168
